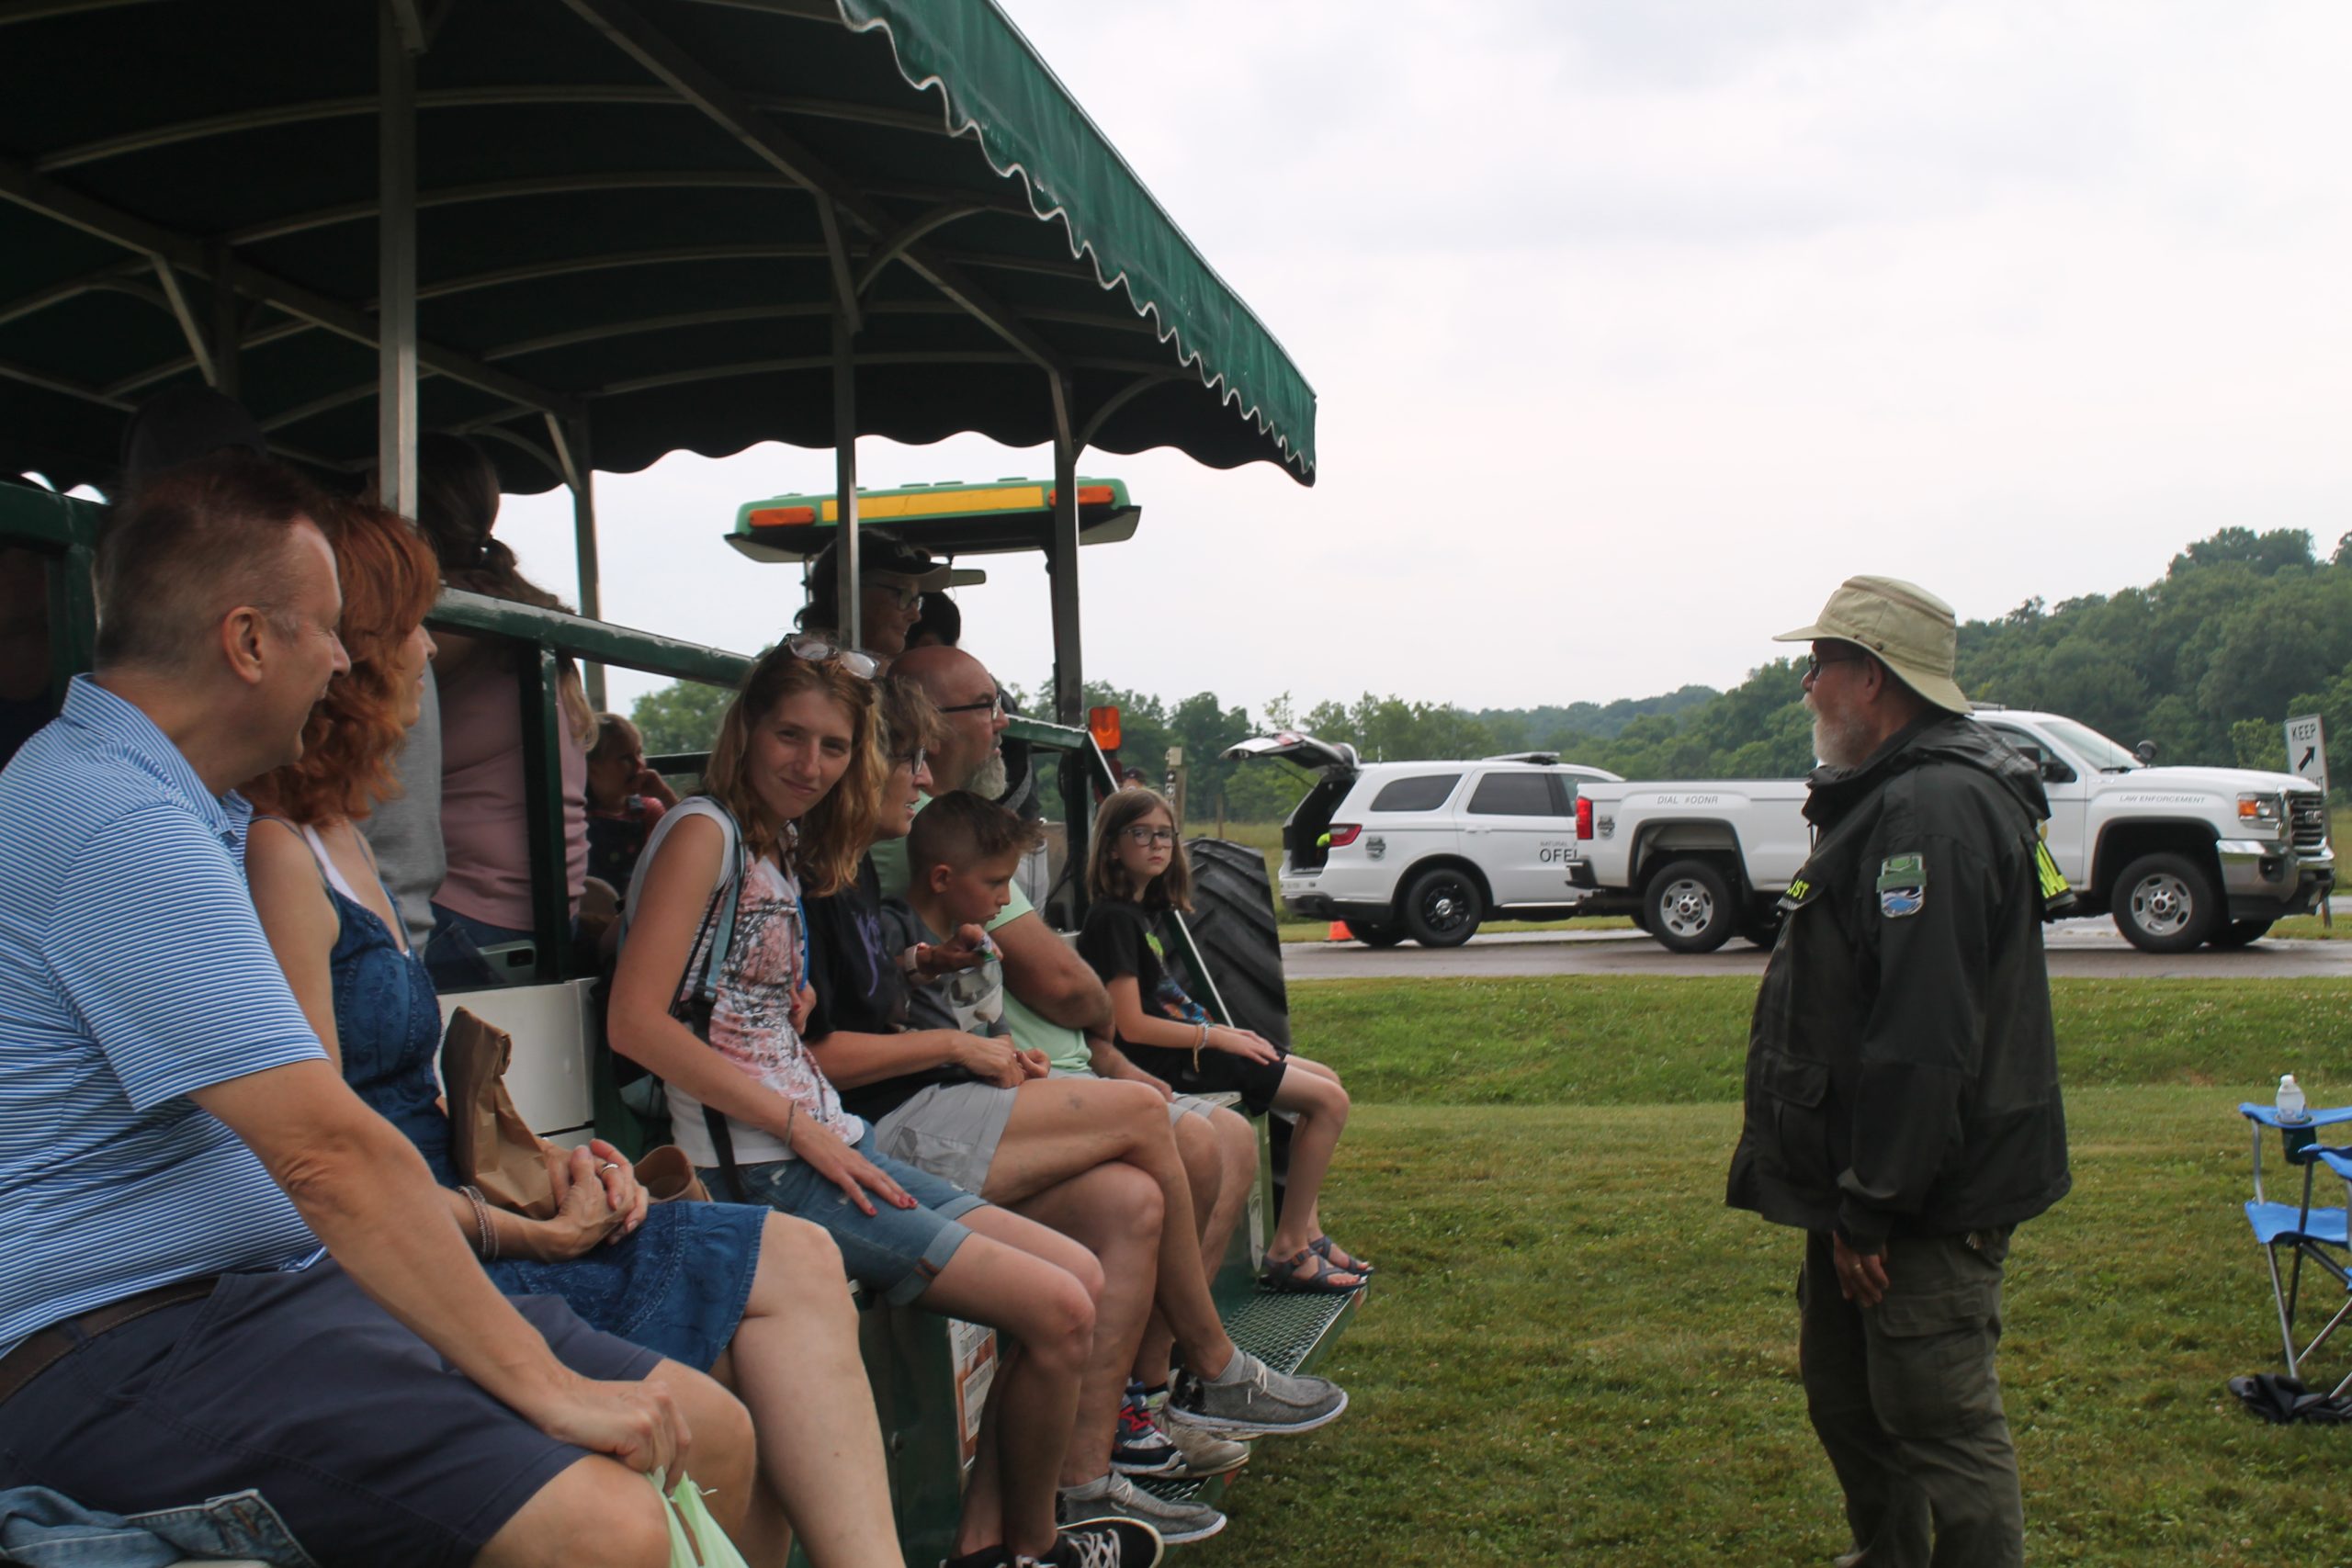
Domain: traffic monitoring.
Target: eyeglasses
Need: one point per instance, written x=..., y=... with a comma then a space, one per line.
x=1148, y=836
x=914, y=761
x=817, y=650
x=902, y=594
x=1814, y=662
x=992, y=705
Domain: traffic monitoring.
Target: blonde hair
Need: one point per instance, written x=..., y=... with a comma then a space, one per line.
x=834, y=834
x=1106, y=878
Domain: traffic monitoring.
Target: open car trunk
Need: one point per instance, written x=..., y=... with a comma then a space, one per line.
x=1333, y=760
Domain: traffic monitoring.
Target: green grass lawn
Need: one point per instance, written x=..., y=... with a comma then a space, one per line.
x=1573, y=1346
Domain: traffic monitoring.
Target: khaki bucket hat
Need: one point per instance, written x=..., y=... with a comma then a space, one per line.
x=1910, y=629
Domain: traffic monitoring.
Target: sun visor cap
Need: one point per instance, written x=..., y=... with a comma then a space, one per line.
x=878, y=551
x=1914, y=633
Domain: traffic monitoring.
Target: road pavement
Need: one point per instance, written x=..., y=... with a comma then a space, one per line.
x=2091, y=948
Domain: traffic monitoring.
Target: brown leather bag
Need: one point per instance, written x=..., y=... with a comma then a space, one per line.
x=491, y=1145
x=668, y=1177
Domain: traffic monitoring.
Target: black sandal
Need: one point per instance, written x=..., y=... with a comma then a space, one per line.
x=1281, y=1274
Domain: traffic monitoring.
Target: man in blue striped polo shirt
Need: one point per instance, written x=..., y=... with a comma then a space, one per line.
x=174, y=1146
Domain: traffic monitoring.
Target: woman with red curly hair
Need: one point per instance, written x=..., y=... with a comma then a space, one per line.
x=754, y=1299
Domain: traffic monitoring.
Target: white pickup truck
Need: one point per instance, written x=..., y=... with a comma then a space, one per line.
x=2179, y=856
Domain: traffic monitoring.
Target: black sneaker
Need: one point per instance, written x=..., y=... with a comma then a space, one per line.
x=1137, y=1446
x=1100, y=1543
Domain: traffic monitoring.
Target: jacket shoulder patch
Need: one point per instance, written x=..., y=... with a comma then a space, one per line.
x=1902, y=886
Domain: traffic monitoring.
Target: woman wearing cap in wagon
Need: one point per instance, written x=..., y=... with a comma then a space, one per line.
x=892, y=578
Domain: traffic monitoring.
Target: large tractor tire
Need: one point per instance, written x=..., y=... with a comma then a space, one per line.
x=1233, y=925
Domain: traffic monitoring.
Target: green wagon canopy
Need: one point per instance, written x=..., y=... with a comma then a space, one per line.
x=637, y=228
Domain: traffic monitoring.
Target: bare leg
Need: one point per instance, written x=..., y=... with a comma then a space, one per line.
x=1114, y=1211
x=1009, y=1276
x=1322, y=1108
x=795, y=1361
x=1062, y=1126
x=1198, y=1145
x=597, y=1510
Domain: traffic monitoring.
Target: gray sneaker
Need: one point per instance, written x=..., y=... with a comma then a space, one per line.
x=1176, y=1520
x=1203, y=1454
x=1199, y=1454
x=1261, y=1402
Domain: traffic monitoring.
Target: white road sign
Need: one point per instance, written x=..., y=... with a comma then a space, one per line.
x=2307, y=750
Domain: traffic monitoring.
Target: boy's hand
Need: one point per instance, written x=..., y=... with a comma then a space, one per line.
x=966, y=947
x=1034, y=1062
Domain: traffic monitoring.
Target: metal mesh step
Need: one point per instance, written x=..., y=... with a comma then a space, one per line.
x=1286, y=1331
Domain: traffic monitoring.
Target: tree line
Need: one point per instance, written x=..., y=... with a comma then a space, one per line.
x=2242, y=630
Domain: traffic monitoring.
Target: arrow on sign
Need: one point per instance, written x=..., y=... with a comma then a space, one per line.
x=2309, y=752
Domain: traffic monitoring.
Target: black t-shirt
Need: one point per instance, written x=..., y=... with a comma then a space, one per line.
x=860, y=987
x=1117, y=940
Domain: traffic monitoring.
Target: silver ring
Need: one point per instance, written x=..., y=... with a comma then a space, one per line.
x=608, y=1165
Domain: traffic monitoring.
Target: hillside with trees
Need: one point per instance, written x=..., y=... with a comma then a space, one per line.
x=2242, y=630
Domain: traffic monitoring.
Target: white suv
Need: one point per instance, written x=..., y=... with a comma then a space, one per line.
x=1427, y=850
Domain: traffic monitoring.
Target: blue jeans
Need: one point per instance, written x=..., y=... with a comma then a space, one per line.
x=895, y=1251
x=454, y=957
x=42, y=1529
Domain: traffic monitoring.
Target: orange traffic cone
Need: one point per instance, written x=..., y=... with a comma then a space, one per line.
x=1339, y=932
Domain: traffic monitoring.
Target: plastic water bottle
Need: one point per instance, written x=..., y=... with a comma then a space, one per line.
x=2294, y=1118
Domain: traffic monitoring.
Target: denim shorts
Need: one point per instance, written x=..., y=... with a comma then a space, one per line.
x=367, y=1445
x=895, y=1251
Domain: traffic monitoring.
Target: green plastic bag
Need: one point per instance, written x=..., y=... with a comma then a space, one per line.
x=695, y=1540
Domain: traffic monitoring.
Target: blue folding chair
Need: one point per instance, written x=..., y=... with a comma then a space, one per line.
x=2314, y=1235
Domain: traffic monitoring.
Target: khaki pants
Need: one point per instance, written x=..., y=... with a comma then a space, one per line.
x=1906, y=1400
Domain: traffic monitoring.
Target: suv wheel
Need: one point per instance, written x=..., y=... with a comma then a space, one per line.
x=1689, y=907
x=1442, y=908
x=2166, y=903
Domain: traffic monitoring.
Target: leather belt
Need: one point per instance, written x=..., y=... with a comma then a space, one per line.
x=47, y=1347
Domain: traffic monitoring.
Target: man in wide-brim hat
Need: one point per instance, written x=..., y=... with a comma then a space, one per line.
x=1901, y=1100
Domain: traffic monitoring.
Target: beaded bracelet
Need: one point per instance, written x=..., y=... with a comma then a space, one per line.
x=486, y=1245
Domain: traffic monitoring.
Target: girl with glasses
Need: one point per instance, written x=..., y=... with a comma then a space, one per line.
x=1135, y=873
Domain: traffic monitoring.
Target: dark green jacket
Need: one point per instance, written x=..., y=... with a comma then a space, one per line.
x=1901, y=1072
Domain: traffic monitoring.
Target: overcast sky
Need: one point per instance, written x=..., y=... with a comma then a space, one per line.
x=1636, y=326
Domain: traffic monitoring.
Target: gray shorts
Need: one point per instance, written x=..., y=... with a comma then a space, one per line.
x=950, y=1130
x=1178, y=1107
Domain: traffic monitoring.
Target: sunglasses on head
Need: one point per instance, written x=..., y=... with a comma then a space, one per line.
x=817, y=650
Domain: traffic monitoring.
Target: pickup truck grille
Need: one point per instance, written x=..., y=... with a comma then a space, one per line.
x=2308, y=814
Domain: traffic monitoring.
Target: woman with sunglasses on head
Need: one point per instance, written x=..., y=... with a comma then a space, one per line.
x=749, y=1297
x=893, y=578
x=711, y=995
x=1136, y=871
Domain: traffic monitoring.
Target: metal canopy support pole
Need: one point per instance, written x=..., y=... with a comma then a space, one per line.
x=845, y=561
x=228, y=325
x=395, y=264
x=570, y=441
x=1069, y=684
